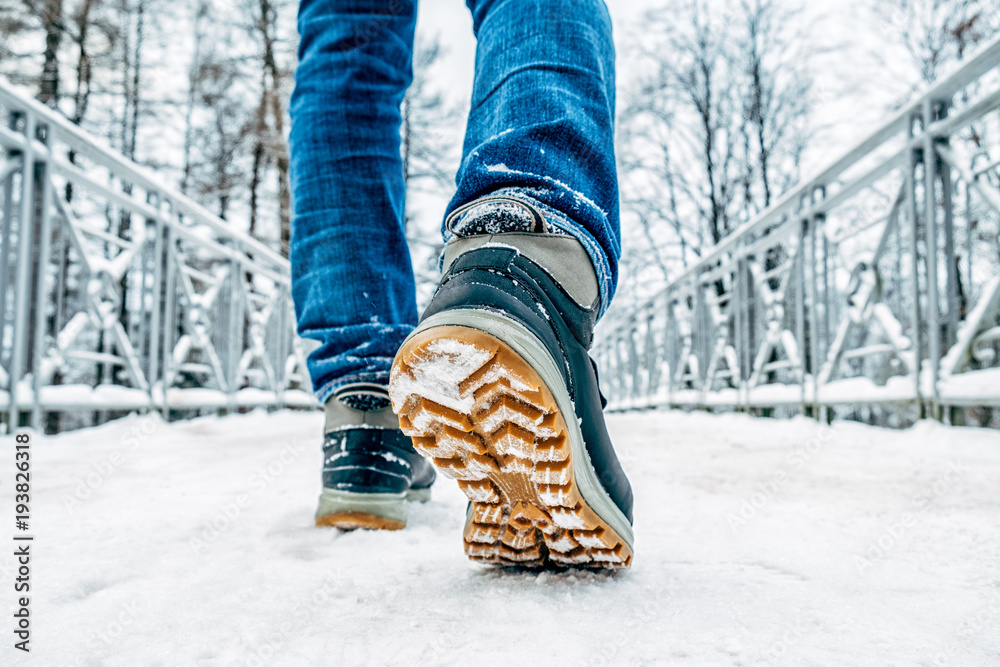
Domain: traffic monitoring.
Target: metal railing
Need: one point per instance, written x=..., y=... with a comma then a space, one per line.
x=120, y=293
x=875, y=282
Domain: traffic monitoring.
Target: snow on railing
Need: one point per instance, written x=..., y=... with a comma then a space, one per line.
x=118, y=292
x=824, y=299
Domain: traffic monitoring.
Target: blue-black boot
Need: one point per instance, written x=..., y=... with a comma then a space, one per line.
x=497, y=388
x=370, y=468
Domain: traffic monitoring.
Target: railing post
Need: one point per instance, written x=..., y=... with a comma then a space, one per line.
x=283, y=343
x=156, y=317
x=970, y=223
x=824, y=248
x=234, y=337
x=670, y=334
x=8, y=226
x=738, y=306
x=610, y=356
x=169, y=315
x=915, y=314
x=701, y=343
x=948, y=223
x=633, y=364
x=43, y=210
x=25, y=229
x=931, y=168
x=951, y=298
x=814, y=229
x=799, y=276
x=147, y=288
x=621, y=382
x=651, y=357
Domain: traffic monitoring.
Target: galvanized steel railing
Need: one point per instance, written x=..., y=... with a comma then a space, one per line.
x=877, y=281
x=118, y=292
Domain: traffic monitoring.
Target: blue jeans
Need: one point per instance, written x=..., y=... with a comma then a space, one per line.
x=540, y=127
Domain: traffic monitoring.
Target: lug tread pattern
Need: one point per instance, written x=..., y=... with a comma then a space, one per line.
x=503, y=438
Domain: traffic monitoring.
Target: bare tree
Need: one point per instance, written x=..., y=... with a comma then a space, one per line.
x=222, y=137
x=649, y=189
x=200, y=18
x=52, y=22
x=33, y=19
x=14, y=23
x=269, y=142
x=715, y=127
x=775, y=100
x=133, y=31
x=85, y=35
x=938, y=32
x=429, y=140
x=690, y=84
x=82, y=22
x=430, y=149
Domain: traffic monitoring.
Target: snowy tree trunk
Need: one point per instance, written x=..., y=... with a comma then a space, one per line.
x=52, y=23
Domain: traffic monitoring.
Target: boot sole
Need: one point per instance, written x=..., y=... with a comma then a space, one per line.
x=355, y=520
x=372, y=511
x=484, y=416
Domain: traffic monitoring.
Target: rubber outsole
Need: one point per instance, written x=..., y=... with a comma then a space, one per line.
x=485, y=417
x=372, y=511
x=355, y=520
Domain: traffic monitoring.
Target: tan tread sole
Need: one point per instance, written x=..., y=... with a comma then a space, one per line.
x=354, y=520
x=484, y=417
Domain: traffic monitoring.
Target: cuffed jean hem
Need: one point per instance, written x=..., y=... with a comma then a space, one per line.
x=556, y=218
x=375, y=377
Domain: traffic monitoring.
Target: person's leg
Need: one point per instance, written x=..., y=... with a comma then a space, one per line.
x=495, y=385
x=352, y=281
x=541, y=121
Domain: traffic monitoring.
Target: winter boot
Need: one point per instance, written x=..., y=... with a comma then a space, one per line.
x=370, y=468
x=497, y=389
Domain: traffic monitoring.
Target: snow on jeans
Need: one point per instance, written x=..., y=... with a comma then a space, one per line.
x=540, y=127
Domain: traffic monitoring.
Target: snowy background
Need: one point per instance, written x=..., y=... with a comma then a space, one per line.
x=768, y=543
x=759, y=542
x=198, y=90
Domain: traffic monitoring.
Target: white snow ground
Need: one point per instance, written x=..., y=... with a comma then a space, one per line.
x=132, y=575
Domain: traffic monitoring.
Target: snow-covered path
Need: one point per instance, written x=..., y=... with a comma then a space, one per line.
x=758, y=542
